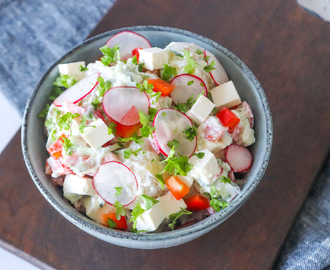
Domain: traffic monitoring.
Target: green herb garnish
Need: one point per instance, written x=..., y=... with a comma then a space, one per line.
x=174, y=217
x=110, y=55
x=190, y=132
x=149, y=202
x=44, y=111
x=209, y=67
x=191, y=66
x=120, y=211
x=64, y=81
x=118, y=191
x=168, y=72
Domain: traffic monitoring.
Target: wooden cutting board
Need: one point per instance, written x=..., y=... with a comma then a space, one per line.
x=289, y=52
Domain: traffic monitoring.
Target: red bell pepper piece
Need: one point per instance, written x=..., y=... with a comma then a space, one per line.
x=177, y=188
x=228, y=118
x=121, y=224
x=136, y=52
x=161, y=86
x=197, y=203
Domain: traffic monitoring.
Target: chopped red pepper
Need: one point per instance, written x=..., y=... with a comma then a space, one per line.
x=177, y=188
x=127, y=131
x=228, y=118
x=55, y=150
x=121, y=224
x=161, y=86
x=197, y=203
x=136, y=52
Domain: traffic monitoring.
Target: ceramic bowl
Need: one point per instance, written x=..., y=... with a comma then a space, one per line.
x=34, y=138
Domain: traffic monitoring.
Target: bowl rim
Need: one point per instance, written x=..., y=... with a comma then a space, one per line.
x=198, y=227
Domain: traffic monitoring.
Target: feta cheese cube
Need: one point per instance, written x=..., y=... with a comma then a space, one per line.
x=151, y=219
x=72, y=70
x=206, y=169
x=170, y=204
x=225, y=95
x=74, y=186
x=96, y=134
x=153, y=58
x=92, y=205
x=200, y=110
x=186, y=180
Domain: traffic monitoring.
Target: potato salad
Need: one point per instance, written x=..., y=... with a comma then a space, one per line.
x=147, y=139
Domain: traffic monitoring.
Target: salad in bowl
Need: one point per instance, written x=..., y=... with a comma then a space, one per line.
x=148, y=139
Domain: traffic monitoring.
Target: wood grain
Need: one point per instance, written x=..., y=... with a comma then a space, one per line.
x=289, y=52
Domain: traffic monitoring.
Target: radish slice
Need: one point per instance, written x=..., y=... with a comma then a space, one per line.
x=112, y=175
x=170, y=124
x=239, y=158
x=187, y=85
x=127, y=41
x=219, y=75
x=123, y=103
x=78, y=91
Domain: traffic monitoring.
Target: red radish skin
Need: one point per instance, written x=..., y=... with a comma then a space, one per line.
x=122, y=104
x=127, y=41
x=168, y=121
x=182, y=91
x=115, y=174
x=218, y=75
x=231, y=176
x=238, y=157
x=78, y=91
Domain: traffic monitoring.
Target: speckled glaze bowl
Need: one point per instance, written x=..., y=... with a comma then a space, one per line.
x=34, y=138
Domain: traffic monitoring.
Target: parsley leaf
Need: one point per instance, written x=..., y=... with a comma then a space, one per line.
x=145, y=119
x=64, y=81
x=140, y=66
x=120, y=211
x=111, y=223
x=152, y=113
x=67, y=145
x=199, y=51
x=134, y=137
x=184, y=107
x=118, y=191
x=44, y=111
x=128, y=153
x=191, y=65
x=209, y=67
x=225, y=180
x=174, y=217
x=149, y=202
x=110, y=55
x=137, y=211
x=95, y=104
x=56, y=91
x=83, y=124
x=112, y=129
x=216, y=202
x=64, y=122
x=145, y=87
x=168, y=72
x=103, y=86
x=200, y=155
x=190, y=132
x=190, y=83
x=174, y=143
x=81, y=68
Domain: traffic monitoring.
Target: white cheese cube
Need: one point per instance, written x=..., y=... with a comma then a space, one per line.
x=186, y=180
x=78, y=185
x=206, y=169
x=151, y=219
x=153, y=58
x=96, y=134
x=92, y=205
x=225, y=95
x=73, y=70
x=170, y=204
x=200, y=110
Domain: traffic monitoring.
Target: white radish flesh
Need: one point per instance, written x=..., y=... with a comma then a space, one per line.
x=170, y=124
x=187, y=85
x=112, y=177
x=127, y=41
x=123, y=103
x=239, y=158
x=78, y=91
x=218, y=74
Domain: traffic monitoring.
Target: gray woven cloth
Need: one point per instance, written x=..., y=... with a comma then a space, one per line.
x=33, y=34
